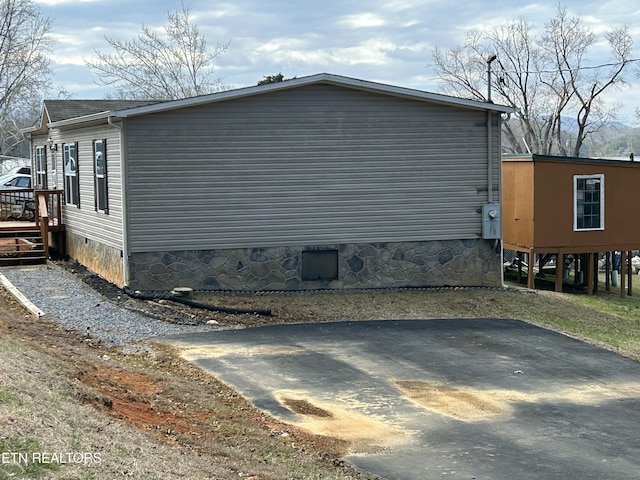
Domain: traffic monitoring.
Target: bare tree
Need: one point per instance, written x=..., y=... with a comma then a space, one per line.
x=544, y=76
x=24, y=69
x=176, y=64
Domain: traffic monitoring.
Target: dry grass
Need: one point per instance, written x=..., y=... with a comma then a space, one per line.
x=156, y=416
x=603, y=319
x=142, y=416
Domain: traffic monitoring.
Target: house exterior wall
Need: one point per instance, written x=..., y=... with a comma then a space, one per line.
x=552, y=204
x=313, y=165
x=94, y=238
x=518, y=201
x=302, y=169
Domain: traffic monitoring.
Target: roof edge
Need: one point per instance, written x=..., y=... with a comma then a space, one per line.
x=322, y=78
x=537, y=157
x=83, y=119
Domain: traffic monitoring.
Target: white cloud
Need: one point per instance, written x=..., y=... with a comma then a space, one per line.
x=388, y=41
x=53, y=3
x=362, y=20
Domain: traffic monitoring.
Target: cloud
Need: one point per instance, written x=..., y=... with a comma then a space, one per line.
x=387, y=41
x=362, y=20
x=54, y=3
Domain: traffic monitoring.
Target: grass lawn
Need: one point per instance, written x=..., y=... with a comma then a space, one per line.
x=603, y=318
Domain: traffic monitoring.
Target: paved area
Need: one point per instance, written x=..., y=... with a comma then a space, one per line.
x=463, y=399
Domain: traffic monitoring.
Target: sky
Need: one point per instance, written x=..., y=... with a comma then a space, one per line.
x=383, y=41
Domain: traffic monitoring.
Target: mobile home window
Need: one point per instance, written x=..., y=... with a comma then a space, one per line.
x=71, y=177
x=41, y=167
x=588, y=193
x=100, y=175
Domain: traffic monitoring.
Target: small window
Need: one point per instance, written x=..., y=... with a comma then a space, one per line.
x=71, y=177
x=588, y=192
x=19, y=182
x=320, y=265
x=41, y=167
x=100, y=175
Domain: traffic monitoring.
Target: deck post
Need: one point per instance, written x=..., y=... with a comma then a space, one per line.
x=623, y=271
x=588, y=271
x=530, y=276
x=559, y=271
x=629, y=273
x=596, y=271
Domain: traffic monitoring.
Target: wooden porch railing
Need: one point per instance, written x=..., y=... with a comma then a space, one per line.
x=48, y=213
x=42, y=220
x=39, y=206
x=48, y=208
x=15, y=202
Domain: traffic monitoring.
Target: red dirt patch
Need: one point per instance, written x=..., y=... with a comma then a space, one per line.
x=134, y=398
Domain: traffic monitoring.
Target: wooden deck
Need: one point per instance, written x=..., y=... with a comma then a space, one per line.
x=19, y=225
x=27, y=241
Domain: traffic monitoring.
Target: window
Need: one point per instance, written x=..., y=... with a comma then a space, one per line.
x=71, y=177
x=100, y=175
x=588, y=205
x=41, y=167
x=19, y=182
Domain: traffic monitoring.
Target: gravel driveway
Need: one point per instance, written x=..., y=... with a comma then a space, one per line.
x=68, y=301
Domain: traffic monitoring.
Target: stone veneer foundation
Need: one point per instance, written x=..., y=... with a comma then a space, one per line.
x=473, y=262
x=99, y=258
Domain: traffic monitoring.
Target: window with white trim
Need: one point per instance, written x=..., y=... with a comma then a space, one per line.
x=588, y=203
x=100, y=175
x=71, y=177
x=41, y=167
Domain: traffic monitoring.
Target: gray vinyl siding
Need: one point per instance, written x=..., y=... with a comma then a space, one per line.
x=308, y=166
x=85, y=221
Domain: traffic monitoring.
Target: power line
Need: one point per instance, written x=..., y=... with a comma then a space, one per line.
x=591, y=67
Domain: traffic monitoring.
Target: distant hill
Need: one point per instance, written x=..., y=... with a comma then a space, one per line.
x=571, y=125
x=614, y=140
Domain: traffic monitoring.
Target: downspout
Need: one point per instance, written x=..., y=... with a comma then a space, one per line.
x=489, y=158
x=497, y=246
x=123, y=194
x=500, y=246
x=490, y=59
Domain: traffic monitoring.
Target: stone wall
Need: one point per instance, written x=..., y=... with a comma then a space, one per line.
x=99, y=258
x=472, y=262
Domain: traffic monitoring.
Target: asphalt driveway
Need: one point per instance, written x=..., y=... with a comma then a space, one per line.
x=425, y=399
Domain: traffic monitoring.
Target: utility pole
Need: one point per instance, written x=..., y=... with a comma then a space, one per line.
x=490, y=60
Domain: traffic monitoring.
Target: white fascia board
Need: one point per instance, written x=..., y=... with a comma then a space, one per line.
x=77, y=120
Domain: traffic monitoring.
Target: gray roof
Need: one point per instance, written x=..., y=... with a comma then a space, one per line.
x=58, y=110
x=321, y=78
x=72, y=112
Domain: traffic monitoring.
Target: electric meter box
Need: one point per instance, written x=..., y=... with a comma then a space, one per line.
x=491, y=221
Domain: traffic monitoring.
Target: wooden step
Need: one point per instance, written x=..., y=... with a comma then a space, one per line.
x=19, y=234
x=15, y=261
x=21, y=250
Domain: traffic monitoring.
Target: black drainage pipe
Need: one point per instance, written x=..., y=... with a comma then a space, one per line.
x=191, y=303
